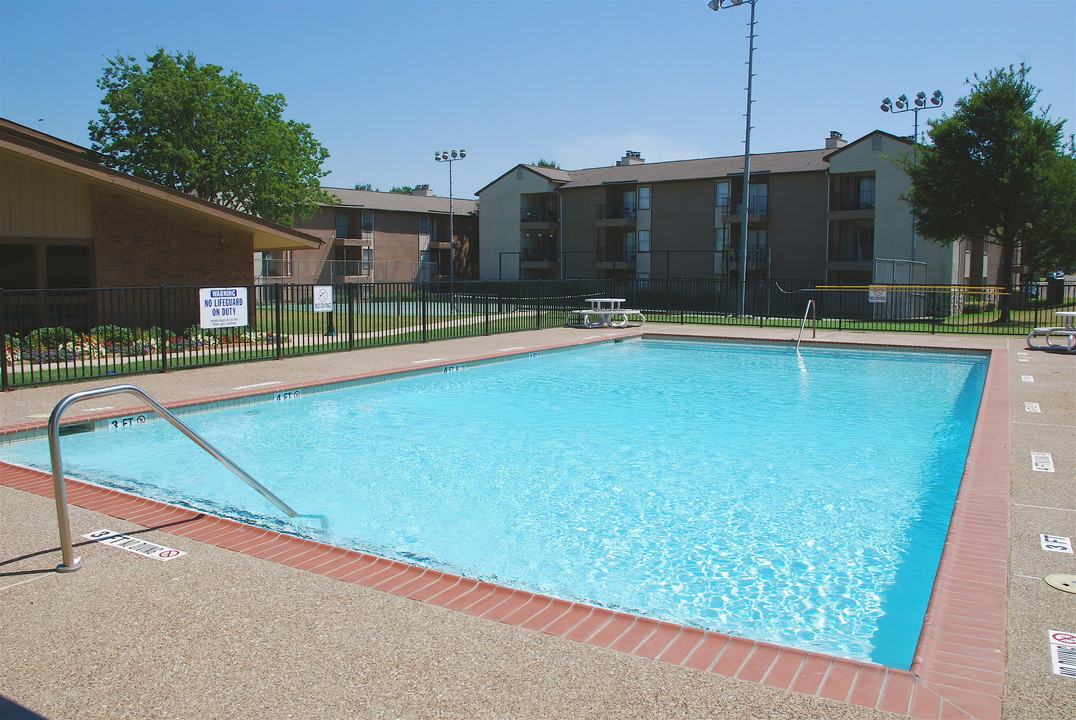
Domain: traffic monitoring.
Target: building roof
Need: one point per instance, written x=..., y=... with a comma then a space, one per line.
x=898, y=138
x=399, y=202
x=71, y=159
x=677, y=170
x=555, y=175
x=701, y=169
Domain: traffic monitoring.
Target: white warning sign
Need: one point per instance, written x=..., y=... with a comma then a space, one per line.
x=222, y=307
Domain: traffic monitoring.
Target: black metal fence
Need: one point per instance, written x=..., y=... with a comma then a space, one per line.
x=52, y=336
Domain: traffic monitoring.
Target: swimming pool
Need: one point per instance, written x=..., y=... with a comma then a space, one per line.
x=709, y=484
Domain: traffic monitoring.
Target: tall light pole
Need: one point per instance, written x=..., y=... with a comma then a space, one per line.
x=450, y=157
x=745, y=208
x=920, y=103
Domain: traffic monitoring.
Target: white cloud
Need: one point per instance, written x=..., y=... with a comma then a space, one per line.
x=604, y=150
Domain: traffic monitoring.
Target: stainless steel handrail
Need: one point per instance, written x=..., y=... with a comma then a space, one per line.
x=71, y=563
x=814, y=326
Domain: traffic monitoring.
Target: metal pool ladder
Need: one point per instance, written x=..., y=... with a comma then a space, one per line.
x=814, y=325
x=71, y=563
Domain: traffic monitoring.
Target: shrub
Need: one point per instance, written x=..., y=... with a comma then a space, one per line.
x=114, y=334
x=49, y=338
x=971, y=308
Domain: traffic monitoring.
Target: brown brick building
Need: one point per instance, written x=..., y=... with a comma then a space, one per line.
x=67, y=222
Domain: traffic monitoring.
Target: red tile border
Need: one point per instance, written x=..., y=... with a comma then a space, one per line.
x=944, y=682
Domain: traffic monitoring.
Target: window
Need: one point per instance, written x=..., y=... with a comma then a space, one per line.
x=759, y=204
x=355, y=260
x=721, y=194
x=644, y=241
x=876, y=143
x=863, y=243
x=367, y=261
x=367, y=222
x=343, y=225
x=629, y=204
x=424, y=225
x=757, y=250
x=865, y=192
x=644, y=197
x=276, y=264
x=721, y=238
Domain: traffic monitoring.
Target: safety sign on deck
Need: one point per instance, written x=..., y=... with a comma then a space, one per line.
x=135, y=545
x=1063, y=653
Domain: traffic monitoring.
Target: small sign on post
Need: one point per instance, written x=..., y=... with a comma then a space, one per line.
x=222, y=307
x=323, y=303
x=323, y=298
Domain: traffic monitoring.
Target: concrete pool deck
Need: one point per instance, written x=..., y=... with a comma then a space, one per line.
x=221, y=633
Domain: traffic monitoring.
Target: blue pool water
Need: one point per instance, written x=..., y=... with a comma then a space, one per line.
x=796, y=498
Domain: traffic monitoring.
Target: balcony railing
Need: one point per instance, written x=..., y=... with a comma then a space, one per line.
x=854, y=200
x=615, y=212
x=760, y=205
x=606, y=254
x=540, y=255
x=529, y=215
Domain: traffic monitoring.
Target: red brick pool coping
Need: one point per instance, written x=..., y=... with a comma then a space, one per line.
x=959, y=665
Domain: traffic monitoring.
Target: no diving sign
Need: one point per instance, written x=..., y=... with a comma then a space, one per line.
x=323, y=298
x=1063, y=653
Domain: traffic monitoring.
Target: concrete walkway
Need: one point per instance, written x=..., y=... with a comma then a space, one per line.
x=220, y=634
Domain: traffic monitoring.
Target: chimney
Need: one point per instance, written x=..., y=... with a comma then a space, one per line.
x=835, y=140
x=631, y=157
x=422, y=191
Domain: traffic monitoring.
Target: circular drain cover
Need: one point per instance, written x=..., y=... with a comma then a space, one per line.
x=1064, y=583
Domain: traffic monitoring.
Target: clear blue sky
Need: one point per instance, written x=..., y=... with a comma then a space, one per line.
x=384, y=84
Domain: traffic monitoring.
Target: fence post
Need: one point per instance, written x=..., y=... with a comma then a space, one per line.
x=162, y=296
x=538, y=305
x=422, y=301
x=278, y=317
x=683, y=296
x=485, y=294
x=350, y=295
x=3, y=344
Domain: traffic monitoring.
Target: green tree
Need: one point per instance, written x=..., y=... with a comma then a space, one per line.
x=363, y=186
x=999, y=170
x=196, y=129
x=542, y=162
x=402, y=189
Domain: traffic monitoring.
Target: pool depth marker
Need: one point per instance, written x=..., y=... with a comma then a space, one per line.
x=135, y=545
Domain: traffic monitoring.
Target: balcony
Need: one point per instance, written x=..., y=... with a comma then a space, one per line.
x=530, y=215
x=732, y=208
x=615, y=215
x=539, y=259
x=853, y=201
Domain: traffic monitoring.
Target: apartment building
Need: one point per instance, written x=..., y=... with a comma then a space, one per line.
x=833, y=214
x=372, y=236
